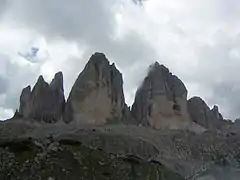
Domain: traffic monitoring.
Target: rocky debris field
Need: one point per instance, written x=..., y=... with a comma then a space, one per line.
x=30, y=159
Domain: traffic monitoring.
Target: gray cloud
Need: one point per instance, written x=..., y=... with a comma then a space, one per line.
x=93, y=20
x=218, y=72
x=17, y=77
x=3, y=85
x=91, y=23
x=3, y=4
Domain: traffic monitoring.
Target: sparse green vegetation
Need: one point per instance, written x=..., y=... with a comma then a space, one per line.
x=220, y=159
x=72, y=160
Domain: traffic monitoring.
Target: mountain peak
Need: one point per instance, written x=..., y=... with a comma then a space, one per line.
x=40, y=79
x=98, y=58
x=44, y=102
x=57, y=81
x=161, y=100
x=200, y=113
x=97, y=95
x=157, y=68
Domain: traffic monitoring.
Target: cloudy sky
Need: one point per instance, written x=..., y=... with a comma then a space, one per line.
x=198, y=40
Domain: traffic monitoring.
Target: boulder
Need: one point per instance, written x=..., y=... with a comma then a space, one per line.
x=45, y=102
x=161, y=101
x=97, y=95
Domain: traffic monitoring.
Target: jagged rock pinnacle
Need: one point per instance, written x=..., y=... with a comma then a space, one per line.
x=97, y=95
x=45, y=102
x=161, y=102
x=203, y=115
x=57, y=81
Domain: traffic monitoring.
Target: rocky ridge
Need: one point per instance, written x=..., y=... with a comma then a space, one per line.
x=45, y=102
x=97, y=98
x=163, y=136
x=201, y=114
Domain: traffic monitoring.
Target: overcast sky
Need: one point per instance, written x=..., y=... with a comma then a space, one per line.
x=198, y=40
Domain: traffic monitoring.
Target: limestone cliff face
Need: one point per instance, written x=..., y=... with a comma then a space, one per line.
x=201, y=114
x=45, y=102
x=25, y=98
x=161, y=100
x=97, y=95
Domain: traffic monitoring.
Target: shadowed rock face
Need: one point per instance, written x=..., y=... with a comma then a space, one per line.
x=201, y=114
x=97, y=95
x=45, y=102
x=25, y=98
x=161, y=100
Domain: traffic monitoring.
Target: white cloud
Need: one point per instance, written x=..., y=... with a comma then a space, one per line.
x=5, y=113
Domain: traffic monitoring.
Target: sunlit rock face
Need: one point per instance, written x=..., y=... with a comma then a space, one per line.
x=45, y=102
x=97, y=95
x=161, y=101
